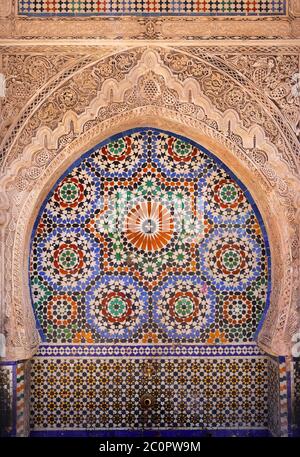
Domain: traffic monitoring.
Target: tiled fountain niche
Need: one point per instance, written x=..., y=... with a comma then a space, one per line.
x=150, y=277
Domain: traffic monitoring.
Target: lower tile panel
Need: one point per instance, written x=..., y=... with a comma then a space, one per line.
x=296, y=396
x=6, y=400
x=145, y=393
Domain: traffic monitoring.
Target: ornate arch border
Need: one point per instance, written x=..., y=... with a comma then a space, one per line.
x=250, y=165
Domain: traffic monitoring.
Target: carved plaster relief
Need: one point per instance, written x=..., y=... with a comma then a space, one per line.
x=285, y=25
x=149, y=86
x=5, y=8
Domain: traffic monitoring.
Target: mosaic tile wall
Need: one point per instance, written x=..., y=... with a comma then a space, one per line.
x=274, y=396
x=152, y=7
x=23, y=370
x=6, y=400
x=296, y=395
x=148, y=239
x=149, y=276
x=284, y=396
x=14, y=398
x=203, y=393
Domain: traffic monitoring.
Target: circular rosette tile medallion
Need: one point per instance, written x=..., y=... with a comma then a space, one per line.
x=178, y=156
x=183, y=308
x=116, y=307
x=68, y=260
x=230, y=258
x=227, y=194
x=223, y=197
x=149, y=226
x=74, y=196
x=237, y=309
x=120, y=155
x=117, y=149
x=69, y=193
x=230, y=261
x=61, y=309
x=180, y=150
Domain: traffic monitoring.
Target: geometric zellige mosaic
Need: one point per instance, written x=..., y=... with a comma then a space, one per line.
x=201, y=393
x=152, y=8
x=149, y=239
x=149, y=275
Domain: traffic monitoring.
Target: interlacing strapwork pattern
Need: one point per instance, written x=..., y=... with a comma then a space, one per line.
x=148, y=239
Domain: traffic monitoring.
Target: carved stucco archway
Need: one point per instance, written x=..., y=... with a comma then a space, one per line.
x=150, y=93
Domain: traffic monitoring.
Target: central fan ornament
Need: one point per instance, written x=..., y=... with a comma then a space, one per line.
x=149, y=226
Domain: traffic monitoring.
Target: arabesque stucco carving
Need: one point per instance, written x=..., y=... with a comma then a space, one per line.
x=240, y=106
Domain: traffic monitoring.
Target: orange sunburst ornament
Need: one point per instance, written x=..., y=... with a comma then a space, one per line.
x=149, y=226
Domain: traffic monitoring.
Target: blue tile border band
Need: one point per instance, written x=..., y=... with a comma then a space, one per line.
x=117, y=350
